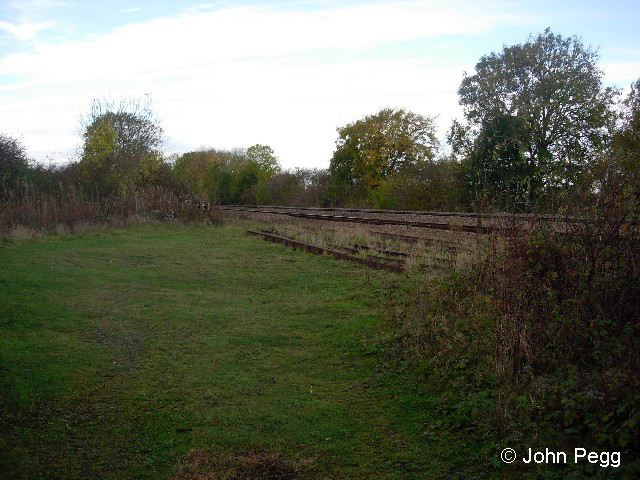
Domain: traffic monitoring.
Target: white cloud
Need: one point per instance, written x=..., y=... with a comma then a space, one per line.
x=244, y=32
x=24, y=31
x=240, y=76
x=621, y=74
x=295, y=109
x=30, y=5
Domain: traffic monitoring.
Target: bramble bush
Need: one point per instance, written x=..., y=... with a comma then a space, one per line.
x=538, y=344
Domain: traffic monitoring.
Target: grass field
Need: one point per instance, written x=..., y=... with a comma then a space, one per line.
x=196, y=352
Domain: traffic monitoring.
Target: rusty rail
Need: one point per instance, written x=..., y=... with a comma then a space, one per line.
x=372, y=221
x=296, y=245
x=511, y=216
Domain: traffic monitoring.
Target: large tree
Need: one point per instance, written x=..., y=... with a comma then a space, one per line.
x=121, y=145
x=390, y=141
x=551, y=90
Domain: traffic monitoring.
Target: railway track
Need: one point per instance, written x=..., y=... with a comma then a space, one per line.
x=379, y=217
x=434, y=240
x=373, y=261
x=396, y=238
x=351, y=254
x=486, y=216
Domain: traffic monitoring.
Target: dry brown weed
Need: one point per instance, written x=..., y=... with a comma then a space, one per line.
x=197, y=464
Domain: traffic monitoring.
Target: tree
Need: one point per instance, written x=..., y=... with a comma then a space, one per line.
x=553, y=87
x=497, y=170
x=314, y=182
x=430, y=186
x=228, y=176
x=14, y=163
x=618, y=175
x=266, y=160
x=627, y=137
x=202, y=173
x=282, y=189
x=121, y=145
x=388, y=142
x=262, y=159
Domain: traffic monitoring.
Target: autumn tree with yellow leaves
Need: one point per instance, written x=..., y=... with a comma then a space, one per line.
x=392, y=141
x=122, y=146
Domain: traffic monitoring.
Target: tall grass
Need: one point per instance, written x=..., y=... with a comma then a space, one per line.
x=25, y=208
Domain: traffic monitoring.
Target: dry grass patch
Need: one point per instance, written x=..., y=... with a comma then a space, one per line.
x=197, y=464
x=20, y=232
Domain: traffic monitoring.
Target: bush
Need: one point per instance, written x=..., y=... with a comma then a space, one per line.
x=14, y=164
x=430, y=186
x=538, y=345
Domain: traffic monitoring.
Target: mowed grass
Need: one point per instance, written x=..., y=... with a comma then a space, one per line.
x=123, y=350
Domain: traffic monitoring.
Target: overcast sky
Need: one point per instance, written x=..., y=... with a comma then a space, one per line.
x=285, y=74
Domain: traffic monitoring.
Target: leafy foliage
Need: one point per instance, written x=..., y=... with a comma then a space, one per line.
x=497, y=170
x=539, y=105
x=264, y=157
x=228, y=176
x=429, y=186
x=14, y=163
x=121, y=146
x=379, y=145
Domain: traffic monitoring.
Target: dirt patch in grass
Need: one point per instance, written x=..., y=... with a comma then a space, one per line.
x=253, y=465
x=126, y=349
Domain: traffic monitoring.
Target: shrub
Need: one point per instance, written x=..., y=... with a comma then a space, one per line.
x=537, y=345
x=14, y=164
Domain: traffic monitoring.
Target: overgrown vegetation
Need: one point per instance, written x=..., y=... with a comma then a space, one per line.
x=537, y=345
x=69, y=210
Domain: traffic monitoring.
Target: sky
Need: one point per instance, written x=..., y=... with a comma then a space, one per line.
x=281, y=73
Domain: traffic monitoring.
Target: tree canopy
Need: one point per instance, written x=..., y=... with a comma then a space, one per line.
x=388, y=142
x=229, y=176
x=265, y=159
x=121, y=145
x=547, y=94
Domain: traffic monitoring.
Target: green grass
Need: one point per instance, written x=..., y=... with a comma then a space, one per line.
x=122, y=350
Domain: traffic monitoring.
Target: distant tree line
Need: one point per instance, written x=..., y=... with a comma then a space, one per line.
x=538, y=127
